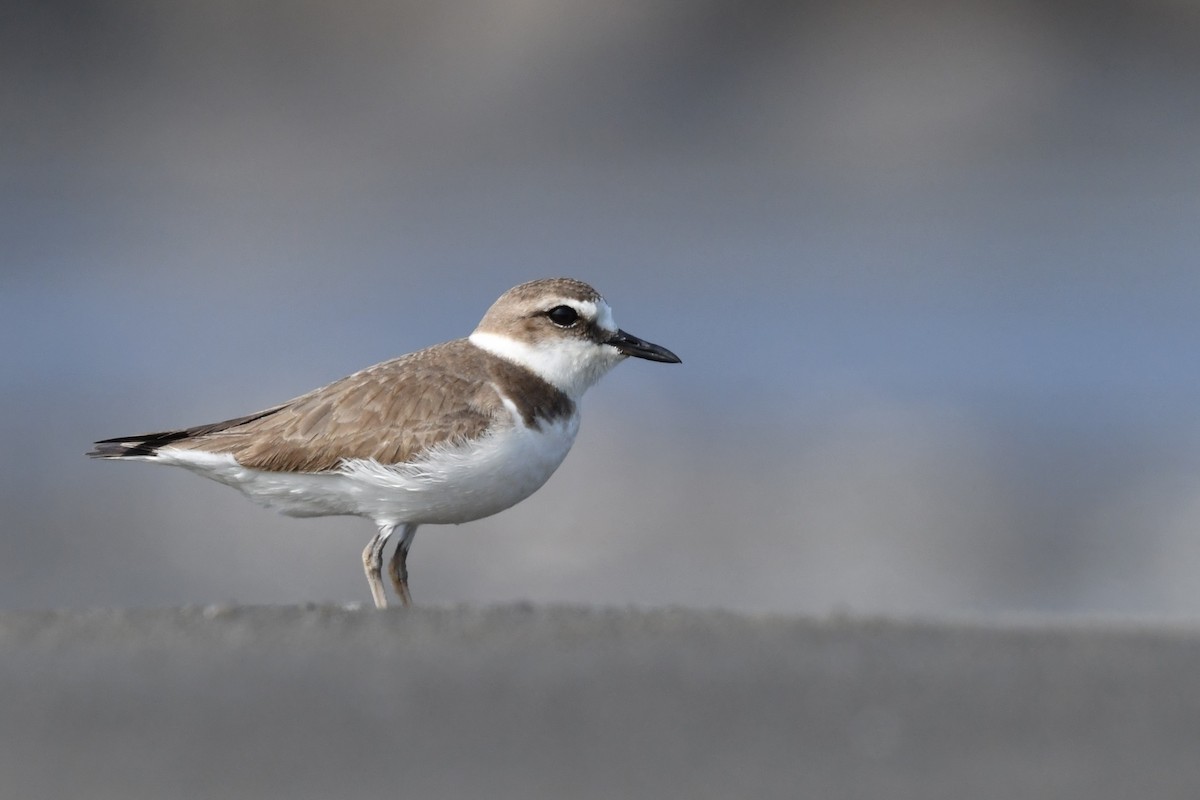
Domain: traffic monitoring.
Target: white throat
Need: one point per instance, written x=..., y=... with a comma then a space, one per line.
x=571, y=365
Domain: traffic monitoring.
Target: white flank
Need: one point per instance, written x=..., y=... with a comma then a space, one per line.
x=447, y=485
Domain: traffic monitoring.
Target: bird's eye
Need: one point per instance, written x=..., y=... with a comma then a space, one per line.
x=563, y=316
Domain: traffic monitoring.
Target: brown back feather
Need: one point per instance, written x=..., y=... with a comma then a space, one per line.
x=390, y=412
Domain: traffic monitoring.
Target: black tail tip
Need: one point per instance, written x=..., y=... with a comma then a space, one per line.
x=120, y=449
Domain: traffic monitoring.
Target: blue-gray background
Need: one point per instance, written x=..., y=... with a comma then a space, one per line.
x=931, y=267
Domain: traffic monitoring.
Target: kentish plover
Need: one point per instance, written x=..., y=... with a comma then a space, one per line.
x=448, y=434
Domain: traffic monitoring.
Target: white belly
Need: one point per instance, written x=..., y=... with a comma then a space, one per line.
x=449, y=485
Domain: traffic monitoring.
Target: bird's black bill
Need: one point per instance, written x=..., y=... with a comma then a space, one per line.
x=631, y=345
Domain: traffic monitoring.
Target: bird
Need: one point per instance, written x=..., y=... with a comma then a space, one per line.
x=445, y=435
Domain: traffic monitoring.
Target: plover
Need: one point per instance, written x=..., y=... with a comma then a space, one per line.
x=448, y=434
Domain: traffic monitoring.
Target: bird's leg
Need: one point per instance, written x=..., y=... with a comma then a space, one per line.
x=373, y=564
x=398, y=566
x=398, y=572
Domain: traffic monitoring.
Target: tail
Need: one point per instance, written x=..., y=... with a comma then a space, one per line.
x=146, y=445
x=143, y=445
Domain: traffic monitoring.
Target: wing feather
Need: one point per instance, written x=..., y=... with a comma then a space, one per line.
x=391, y=412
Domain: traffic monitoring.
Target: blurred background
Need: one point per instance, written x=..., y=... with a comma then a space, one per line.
x=931, y=267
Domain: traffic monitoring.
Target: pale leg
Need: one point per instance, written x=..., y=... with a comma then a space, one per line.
x=398, y=566
x=373, y=564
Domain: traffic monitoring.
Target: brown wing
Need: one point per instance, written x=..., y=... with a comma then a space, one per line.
x=389, y=412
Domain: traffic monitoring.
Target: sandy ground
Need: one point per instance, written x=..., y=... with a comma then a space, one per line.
x=323, y=702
